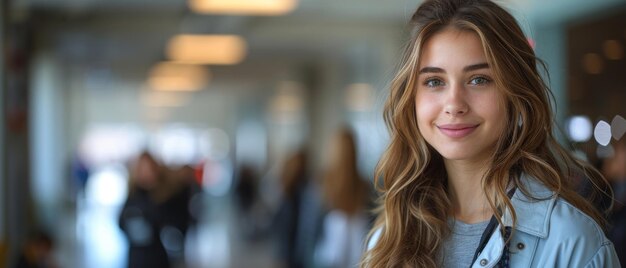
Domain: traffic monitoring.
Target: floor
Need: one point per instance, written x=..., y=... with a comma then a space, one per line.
x=89, y=236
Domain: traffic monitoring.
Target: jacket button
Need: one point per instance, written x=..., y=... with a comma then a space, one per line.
x=483, y=262
x=520, y=246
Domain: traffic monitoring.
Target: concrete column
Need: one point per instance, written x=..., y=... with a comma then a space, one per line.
x=47, y=149
x=3, y=180
x=551, y=48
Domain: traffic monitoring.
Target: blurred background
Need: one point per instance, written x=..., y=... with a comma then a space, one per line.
x=238, y=133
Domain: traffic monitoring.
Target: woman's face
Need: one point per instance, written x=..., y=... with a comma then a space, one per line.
x=460, y=112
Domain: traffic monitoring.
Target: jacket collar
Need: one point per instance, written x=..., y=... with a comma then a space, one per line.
x=533, y=212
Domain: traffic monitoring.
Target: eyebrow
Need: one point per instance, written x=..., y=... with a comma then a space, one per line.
x=474, y=67
x=468, y=68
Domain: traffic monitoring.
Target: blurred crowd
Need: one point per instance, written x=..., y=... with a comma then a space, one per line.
x=308, y=217
x=320, y=217
x=158, y=213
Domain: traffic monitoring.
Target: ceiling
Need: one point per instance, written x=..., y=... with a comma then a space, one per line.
x=133, y=33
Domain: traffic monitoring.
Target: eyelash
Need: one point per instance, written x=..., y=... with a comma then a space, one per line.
x=486, y=79
x=432, y=79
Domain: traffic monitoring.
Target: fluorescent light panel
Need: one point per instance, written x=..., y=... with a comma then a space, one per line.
x=168, y=76
x=207, y=49
x=243, y=7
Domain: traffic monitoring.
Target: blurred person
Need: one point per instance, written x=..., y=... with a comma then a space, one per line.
x=191, y=182
x=37, y=252
x=473, y=175
x=346, y=195
x=614, y=168
x=295, y=223
x=141, y=219
x=248, y=201
x=180, y=210
x=80, y=173
x=246, y=189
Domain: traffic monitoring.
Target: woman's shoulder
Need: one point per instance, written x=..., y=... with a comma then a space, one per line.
x=549, y=216
x=562, y=228
x=567, y=236
x=568, y=220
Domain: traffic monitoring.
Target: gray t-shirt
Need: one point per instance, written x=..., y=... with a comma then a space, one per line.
x=459, y=247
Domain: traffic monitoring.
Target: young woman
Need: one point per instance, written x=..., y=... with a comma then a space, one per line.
x=472, y=176
x=346, y=195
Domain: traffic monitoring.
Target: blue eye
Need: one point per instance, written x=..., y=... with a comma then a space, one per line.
x=433, y=82
x=479, y=80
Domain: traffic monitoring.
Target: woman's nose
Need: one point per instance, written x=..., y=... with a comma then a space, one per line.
x=455, y=103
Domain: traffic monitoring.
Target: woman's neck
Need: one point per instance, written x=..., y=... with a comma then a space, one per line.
x=469, y=203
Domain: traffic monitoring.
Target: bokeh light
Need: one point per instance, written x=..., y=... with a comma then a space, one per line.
x=593, y=63
x=602, y=133
x=613, y=50
x=579, y=128
x=618, y=127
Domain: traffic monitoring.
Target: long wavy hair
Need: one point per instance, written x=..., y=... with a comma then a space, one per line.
x=414, y=205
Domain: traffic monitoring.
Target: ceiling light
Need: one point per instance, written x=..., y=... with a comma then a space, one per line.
x=207, y=49
x=243, y=7
x=169, y=76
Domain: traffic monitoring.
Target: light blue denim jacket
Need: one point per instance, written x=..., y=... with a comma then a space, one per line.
x=550, y=232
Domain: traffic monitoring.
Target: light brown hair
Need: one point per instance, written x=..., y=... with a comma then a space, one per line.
x=344, y=189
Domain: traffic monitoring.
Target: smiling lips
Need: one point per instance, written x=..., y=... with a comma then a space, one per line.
x=457, y=131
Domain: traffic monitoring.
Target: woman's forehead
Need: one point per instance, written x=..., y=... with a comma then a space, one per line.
x=452, y=49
